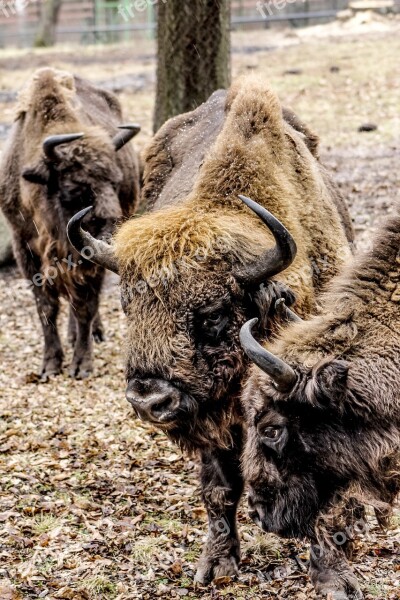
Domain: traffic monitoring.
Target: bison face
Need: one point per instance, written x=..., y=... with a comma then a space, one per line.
x=305, y=444
x=184, y=356
x=184, y=363
x=77, y=171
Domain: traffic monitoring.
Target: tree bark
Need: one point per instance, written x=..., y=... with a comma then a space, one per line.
x=46, y=35
x=193, y=54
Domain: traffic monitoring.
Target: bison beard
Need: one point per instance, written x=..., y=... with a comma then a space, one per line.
x=199, y=264
x=330, y=439
x=48, y=173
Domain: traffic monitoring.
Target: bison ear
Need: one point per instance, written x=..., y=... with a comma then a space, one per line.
x=38, y=174
x=328, y=383
x=266, y=299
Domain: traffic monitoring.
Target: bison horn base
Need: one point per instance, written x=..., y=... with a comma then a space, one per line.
x=50, y=143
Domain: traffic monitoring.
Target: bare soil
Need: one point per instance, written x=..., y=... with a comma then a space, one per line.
x=93, y=503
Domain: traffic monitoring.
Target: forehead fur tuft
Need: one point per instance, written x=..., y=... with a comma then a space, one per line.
x=182, y=237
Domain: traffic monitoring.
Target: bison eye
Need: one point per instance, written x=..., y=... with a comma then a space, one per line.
x=274, y=436
x=214, y=323
x=272, y=433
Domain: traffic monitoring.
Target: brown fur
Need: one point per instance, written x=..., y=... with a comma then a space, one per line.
x=256, y=146
x=184, y=304
x=38, y=196
x=342, y=419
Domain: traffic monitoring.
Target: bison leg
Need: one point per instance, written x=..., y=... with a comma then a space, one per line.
x=84, y=313
x=332, y=575
x=222, y=487
x=98, y=330
x=47, y=305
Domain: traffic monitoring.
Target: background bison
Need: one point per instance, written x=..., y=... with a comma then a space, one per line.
x=324, y=426
x=62, y=156
x=195, y=267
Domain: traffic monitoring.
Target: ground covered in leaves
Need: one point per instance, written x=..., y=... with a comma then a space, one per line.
x=94, y=504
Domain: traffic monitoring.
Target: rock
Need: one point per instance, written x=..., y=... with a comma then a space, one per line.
x=293, y=72
x=6, y=253
x=368, y=127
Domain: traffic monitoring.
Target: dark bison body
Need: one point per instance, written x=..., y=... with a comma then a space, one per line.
x=324, y=425
x=194, y=267
x=62, y=156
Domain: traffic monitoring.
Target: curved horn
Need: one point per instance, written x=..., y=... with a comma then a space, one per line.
x=96, y=251
x=129, y=132
x=274, y=260
x=51, y=143
x=282, y=375
x=285, y=312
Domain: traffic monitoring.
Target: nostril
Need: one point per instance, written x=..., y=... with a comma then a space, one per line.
x=138, y=387
x=166, y=405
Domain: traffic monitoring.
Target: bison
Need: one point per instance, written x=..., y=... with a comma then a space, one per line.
x=323, y=413
x=62, y=156
x=200, y=262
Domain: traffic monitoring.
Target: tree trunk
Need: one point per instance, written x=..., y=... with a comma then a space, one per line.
x=193, y=54
x=46, y=35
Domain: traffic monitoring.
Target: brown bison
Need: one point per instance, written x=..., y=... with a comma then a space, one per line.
x=200, y=262
x=47, y=174
x=324, y=425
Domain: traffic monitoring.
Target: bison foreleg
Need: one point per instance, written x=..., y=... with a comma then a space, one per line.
x=332, y=575
x=222, y=487
x=98, y=330
x=84, y=312
x=47, y=305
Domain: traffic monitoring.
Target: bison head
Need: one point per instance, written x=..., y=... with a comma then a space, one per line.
x=312, y=441
x=184, y=360
x=77, y=170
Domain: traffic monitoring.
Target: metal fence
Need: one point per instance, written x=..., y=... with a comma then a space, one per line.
x=105, y=21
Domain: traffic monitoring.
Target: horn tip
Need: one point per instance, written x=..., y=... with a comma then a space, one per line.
x=135, y=127
x=77, y=218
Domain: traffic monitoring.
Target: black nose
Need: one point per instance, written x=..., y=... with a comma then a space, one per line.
x=154, y=400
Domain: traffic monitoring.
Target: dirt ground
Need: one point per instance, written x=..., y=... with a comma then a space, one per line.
x=94, y=504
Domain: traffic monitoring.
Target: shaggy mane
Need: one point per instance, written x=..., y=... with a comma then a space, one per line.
x=163, y=241
x=245, y=154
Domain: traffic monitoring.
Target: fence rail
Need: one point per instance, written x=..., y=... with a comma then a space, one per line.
x=101, y=20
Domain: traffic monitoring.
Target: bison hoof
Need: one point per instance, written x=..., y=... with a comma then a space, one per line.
x=339, y=588
x=51, y=368
x=212, y=568
x=80, y=372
